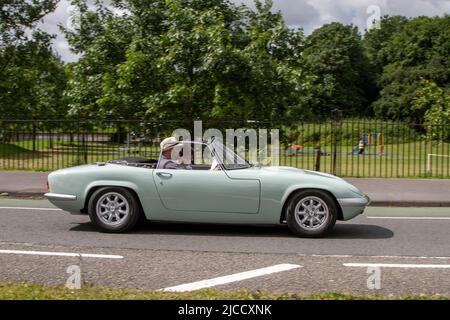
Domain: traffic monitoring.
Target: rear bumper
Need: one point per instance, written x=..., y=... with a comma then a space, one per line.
x=61, y=197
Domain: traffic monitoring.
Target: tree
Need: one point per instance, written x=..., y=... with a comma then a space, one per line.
x=32, y=77
x=101, y=38
x=33, y=82
x=342, y=77
x=185, y=60
x=434, y=102
x=417, y=49
x=376, y=39
x=169, y=72
x=274, y=84
x=16, y=17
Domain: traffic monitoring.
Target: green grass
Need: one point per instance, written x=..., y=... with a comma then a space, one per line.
x=50, y=156
x=11, y=150
x=398, y=160
x=29, y=291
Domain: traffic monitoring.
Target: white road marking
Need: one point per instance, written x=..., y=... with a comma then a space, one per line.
x=356, y=256
x=399, y=265
x=412, y=218
x=231, y=278
x=28, y=208
x=62, y=254
x=408, y=257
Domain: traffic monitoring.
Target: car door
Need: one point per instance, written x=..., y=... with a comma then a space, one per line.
x=206, y=190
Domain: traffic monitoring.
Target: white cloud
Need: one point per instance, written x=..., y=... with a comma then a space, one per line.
x=355, y=12
x=308, y=14
x=51, y=25
x=296, y=13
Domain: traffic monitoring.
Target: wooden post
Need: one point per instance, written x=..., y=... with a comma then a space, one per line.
x=318, y=154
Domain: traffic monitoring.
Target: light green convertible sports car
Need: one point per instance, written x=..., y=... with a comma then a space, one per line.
x=116, y=194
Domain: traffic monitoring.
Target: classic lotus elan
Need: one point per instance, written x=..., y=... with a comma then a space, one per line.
x=117, y=193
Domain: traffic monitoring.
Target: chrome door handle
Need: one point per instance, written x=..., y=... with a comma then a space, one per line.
x=164, y=174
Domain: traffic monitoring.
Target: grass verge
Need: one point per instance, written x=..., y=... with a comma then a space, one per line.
x=30, y=291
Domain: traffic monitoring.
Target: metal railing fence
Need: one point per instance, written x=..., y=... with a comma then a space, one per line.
x=349, y=148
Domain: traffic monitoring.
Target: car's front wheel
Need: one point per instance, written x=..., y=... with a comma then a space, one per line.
x=114, y=209
x=311, y=213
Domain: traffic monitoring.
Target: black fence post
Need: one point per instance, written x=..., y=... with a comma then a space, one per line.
x=336, y=122
x=84, y=147
x=34, y=135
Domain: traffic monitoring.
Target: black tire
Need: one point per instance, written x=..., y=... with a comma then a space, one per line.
x=324, y=225
x=128, y=222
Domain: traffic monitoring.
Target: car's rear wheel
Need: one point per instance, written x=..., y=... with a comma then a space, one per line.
x=114, y=209
x=311, y=213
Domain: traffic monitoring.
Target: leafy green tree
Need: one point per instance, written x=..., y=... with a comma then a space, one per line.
x=17, y=16
x=435, y=103
x=341, y=72
x=180, y=59
x=101, y=38
x=276, y=80
x=376, y=40
x=417, y=49
x=169, y=72
x=32, y=77
x=33, y=82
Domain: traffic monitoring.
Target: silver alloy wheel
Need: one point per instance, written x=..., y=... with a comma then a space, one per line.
x=311, y=213
x=112, y=208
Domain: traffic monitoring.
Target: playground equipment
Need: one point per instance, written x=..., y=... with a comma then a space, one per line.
x=373, y=144
x=294, y=149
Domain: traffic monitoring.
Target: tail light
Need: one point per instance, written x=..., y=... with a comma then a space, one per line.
x=47, y=186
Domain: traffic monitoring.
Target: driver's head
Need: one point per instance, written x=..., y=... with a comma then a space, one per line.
x=167, y=146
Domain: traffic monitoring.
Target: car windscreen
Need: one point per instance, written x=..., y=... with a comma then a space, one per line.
x=229, y=159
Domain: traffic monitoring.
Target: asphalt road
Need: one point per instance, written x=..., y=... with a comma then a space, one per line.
x=409, y=246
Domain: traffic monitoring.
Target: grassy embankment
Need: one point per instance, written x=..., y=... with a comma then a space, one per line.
x=28, y=291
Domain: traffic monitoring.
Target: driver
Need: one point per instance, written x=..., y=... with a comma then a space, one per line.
x=167, y=160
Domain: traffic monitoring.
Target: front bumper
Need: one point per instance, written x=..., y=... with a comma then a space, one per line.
x=58, y=196
x=352, y=207
x=354, y=202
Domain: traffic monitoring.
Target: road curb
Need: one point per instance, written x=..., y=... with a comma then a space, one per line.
x=21, y=195
x=410, y=204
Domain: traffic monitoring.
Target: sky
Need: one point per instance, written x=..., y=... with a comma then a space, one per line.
x=307, y=14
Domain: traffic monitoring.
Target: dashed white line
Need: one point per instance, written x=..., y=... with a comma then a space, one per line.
x=399, y=265
x=28, y=208
x=407, y=257
x=62, y=254
x=376, y=257
x=412, y=218
x=231, y=278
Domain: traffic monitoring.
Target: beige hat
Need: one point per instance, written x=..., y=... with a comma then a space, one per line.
x=169, y=143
